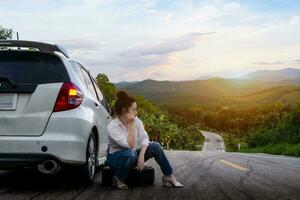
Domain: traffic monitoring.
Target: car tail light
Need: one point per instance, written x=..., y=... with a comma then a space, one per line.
x=69, y=97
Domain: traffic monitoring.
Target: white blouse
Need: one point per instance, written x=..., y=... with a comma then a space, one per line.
x=118, y=133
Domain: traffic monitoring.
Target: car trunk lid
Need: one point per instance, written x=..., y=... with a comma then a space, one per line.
x=29, y=85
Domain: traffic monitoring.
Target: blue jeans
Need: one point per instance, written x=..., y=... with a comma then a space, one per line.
x=122, y=161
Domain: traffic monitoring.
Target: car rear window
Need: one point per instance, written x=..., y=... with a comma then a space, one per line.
x=32, y=67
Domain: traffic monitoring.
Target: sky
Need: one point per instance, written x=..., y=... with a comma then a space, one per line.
x=132, y=40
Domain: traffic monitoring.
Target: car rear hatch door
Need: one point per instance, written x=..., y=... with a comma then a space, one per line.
x=29, y=85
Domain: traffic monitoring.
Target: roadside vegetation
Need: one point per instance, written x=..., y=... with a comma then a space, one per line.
x=272, y=128
x=158, y=123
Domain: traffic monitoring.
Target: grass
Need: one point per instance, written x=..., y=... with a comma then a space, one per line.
x=277, y=149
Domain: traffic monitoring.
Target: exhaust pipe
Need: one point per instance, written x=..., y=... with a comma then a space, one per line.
x=49, y=167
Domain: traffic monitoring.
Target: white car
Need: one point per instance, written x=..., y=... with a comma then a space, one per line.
x=52, y=113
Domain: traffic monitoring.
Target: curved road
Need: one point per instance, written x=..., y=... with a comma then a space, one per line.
x=208, y=174
x=213, y=142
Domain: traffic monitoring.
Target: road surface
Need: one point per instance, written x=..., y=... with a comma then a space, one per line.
x=208, y=174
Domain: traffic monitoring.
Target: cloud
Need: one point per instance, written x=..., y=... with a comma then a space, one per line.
x=285, y=63
x=146, y=61
x=93, y=62
x=168, y=17
x=162, y=39
x=161, y=53
x=295, y=20
x=81, y=44
x=167, y=46
x=297, y=61
x=267, y=63
x=97, y=59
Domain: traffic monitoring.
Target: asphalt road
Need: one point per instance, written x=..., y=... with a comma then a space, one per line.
x=210, y=174
x=213, y=142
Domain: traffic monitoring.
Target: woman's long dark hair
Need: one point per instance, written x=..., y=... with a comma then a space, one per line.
x=123, y=102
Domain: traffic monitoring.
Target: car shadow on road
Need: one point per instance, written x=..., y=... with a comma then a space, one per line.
x=32, y=179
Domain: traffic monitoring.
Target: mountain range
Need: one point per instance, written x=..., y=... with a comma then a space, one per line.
x=260, y=87
x=274, y=75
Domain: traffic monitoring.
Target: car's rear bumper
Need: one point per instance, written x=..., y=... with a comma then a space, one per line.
x=65, y=138
x=69, y=150
x=12, y=160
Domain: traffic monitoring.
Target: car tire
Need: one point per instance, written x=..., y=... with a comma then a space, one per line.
x=87, y=171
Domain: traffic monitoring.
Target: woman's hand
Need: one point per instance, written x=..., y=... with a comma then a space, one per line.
x=131, y=125
x=141, y=163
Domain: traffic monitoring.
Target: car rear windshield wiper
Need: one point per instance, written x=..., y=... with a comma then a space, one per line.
x=12, y=87
x=4, y=79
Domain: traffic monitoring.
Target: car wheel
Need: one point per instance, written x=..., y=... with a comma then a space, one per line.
x=88, y=170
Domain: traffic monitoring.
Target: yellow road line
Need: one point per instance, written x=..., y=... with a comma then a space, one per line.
x=233, y=165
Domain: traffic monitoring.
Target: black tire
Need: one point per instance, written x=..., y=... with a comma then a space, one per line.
x=87, y=171
x=135, y=177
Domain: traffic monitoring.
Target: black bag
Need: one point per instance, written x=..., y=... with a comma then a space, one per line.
x=135, y=177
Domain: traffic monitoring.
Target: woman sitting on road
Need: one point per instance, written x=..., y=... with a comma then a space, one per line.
x=129, y=146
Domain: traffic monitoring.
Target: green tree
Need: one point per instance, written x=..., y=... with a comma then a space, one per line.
x=108, y=88
x=5, y=33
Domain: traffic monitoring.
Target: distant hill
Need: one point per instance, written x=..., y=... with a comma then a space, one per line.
x=124, y=84
x=274, y=75
x=195, y=91
x=216, y=91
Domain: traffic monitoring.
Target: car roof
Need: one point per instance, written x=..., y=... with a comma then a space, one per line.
x=42, y=47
